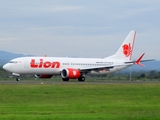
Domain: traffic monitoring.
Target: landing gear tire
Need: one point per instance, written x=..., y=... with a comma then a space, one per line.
x=17, y=79
x=81, y=79
x=65, y=79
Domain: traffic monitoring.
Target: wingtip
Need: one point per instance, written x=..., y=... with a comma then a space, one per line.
x=138, y=62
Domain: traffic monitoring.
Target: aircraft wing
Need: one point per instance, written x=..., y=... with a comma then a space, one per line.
x=97, y=68
x=141, y=61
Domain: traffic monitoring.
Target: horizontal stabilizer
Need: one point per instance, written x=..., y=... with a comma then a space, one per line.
x=139, y=60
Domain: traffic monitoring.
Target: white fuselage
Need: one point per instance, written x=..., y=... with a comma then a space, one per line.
x=54, y=65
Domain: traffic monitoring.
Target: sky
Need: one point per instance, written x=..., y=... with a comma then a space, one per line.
x=79, y=28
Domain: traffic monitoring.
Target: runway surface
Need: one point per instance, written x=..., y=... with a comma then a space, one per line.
x=76, y=82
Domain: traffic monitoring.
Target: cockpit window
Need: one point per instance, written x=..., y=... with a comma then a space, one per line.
x=13, y=61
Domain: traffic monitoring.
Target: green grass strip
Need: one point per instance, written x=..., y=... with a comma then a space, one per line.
x=80, y=102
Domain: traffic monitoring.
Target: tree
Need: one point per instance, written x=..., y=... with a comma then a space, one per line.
x=153, y=74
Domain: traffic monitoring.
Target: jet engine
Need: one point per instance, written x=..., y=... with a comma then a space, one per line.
x=70, y=73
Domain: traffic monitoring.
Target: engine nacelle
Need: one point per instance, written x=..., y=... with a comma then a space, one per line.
x=70, y=73
x=43, y=76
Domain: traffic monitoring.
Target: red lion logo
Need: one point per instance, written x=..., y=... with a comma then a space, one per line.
x=127, y=49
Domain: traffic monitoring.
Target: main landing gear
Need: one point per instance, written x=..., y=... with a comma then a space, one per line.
x=65, y=79
x=80, y=79
x=17, y=79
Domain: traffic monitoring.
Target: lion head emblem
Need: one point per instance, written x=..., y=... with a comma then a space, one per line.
x=127, y=49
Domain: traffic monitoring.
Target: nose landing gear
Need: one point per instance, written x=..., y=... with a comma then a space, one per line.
x=17, y=76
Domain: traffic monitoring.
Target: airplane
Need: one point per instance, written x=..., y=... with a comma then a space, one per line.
x=75, y=68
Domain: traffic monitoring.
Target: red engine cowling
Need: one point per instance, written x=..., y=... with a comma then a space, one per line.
x=43, y=76
x=70, y=73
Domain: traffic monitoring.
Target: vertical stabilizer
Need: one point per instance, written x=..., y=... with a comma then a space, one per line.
x=126, y=49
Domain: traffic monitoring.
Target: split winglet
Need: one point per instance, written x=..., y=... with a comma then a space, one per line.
x=138, y=62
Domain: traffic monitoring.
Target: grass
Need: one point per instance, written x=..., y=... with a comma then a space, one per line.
x=80, y=102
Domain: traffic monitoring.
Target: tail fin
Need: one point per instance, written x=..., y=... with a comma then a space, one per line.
x=126, y=49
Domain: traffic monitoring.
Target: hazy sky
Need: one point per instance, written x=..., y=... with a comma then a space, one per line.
x=79, y=28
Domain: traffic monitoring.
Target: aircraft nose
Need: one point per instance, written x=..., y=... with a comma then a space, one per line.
x=6, y=67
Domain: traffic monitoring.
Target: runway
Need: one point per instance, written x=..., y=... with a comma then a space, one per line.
x=76, y=82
